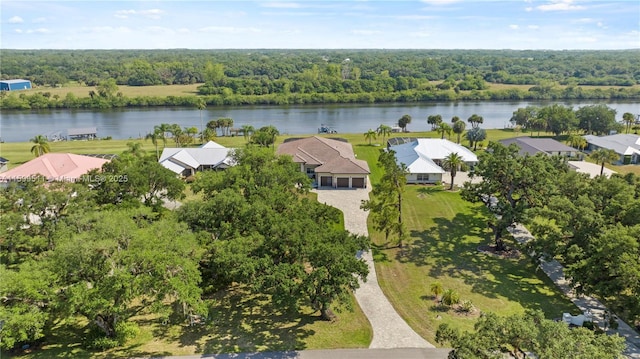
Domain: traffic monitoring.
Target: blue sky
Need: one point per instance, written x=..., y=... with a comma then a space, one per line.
x=427, y=24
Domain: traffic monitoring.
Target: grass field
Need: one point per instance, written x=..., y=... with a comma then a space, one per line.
x=445, y=234
x=238, y=322
x=129, y=91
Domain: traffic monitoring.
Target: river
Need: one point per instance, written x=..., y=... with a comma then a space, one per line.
x=16, y=126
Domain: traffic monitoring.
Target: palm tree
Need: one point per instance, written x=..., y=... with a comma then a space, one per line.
x=191, y=132
x=436, y=289
x=450, y=297
x=202, y=105
x=577, y=141
x=247, y=131
x=162, y=130
x=154, y=137
x=452, y=163
x=455, y=119
x=627, y=120
x=434, y=120
x=443, y=128
x=475, y=120
x=403, y=122
x=370, y=135
x=603, y=156
x=476, y=135
x=384, y=131
x=135, y=149
x=458, y=128
x=41, y=145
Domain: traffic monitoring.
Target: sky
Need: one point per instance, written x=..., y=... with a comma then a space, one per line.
x=302, y=24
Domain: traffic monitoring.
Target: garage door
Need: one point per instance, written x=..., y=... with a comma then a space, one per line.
x=357, y=182
x=325, y=181
x=343, y=182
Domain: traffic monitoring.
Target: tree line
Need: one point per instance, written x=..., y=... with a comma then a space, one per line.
x=268, y=77
x=105, y=249
x=262, y=67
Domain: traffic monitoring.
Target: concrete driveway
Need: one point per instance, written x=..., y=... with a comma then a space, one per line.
x=389, y=329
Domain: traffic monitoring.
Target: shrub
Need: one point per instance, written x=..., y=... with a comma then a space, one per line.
x=450, y=297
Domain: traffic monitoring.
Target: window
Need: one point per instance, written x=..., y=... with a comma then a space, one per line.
x=423, y=177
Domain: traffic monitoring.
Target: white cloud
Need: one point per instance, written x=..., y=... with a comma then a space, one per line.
x=365, y=32
x=160, y=30
x=414, y=17
x=230, y=30
x=282, y=5
x=19, y=31
x=528, y=8
x=439, y=2
x=183, y=30
x=41, y=30
x=514, y=27
x=533, y=27
x=560, y=5
x=16, y=20
x=154, y=14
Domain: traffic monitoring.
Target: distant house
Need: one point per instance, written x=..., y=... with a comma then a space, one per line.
x=88, y=133
x=423, y=158
x=548, y=146
x=330, y=162
x=13, y=85
x=187, y=161
x=627, y=146
x=4, y=164
x=54, y=167
x=592, y=169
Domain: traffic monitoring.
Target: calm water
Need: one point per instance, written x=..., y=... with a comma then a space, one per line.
x=132, y=123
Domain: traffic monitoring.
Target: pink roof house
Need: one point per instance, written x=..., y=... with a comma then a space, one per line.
x=55, y=167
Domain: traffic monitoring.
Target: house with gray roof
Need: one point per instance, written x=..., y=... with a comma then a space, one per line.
x=627, y=146
x=187, y=161
x=548, y=146
x=423, y=158
x=330, y=162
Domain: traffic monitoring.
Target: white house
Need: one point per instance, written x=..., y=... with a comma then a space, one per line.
x=627, y=146
x=423, y=158
x=187, y=161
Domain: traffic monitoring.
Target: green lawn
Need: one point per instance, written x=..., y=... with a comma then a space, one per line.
x=239, y=322
x=445, y=234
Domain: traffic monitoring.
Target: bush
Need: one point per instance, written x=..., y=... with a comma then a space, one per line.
x=124, y=331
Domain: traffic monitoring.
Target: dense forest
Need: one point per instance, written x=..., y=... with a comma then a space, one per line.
x=237, y=77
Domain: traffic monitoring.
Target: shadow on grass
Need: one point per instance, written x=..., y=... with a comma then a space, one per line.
x=428, y=190
x=450, y=248
x=243, y=322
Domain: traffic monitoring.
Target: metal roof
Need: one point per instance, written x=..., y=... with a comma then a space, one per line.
x=418, y=156
x=622, y=144
x=16, y=81
x=535, y=145
x=82, y=131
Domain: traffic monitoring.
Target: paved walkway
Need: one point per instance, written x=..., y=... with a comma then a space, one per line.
x=389, y=329
x=554, y=270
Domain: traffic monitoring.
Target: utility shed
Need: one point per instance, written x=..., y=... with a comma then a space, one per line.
x=89, y=133
x=13, y=85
